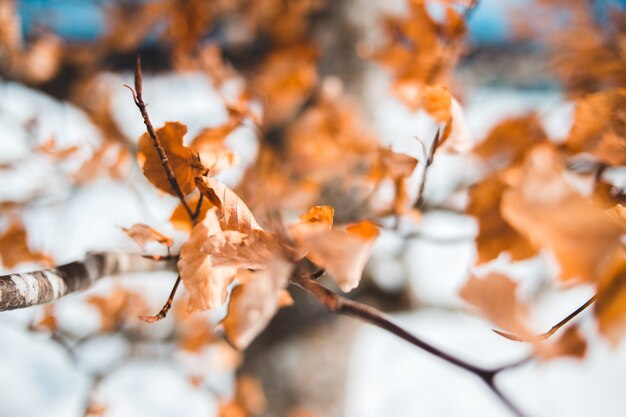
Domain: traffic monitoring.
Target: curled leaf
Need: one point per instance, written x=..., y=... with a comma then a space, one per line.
x=184, y=161
x=234, y=214
x=255, y=301
x=142, y=234
x=343, y=253
x=207, y=285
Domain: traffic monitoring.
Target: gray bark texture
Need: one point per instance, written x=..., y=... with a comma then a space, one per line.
x=27, y=289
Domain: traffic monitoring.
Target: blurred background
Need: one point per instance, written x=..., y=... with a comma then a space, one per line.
x=68, y=173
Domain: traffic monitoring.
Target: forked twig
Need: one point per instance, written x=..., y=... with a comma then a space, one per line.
x=553, y=329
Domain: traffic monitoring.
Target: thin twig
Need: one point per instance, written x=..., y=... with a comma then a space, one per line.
x=171, y=177
x=429, y=160
x=141, y=105
x=553, y=329
x=166, y=307
x=341, y=305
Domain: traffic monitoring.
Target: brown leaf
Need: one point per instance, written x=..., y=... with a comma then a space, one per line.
x=343, y=253
x=209, y=144
x=618, y=214
x=254, y=302
x=117, y=307
x=142, y=234
x=14, y=247
x=285, y=80
x=49, y=148
x=109, y=159
x=185, y=163
x=496, y=299
x=510, y=139
x=319, y=214
x=495, y=235
x=234, y=214
x=541, y=205
x=610, y=309
x=599, y=123
x=180, y=218
x=207, y=285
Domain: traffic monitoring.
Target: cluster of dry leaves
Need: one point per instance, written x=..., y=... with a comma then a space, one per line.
x=315, y=148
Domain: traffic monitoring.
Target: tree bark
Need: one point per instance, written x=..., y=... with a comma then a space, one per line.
x=27, y=289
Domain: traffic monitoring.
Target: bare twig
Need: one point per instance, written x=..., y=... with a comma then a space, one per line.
x=141, y=105
x=419, y=203
x=341, y=305
x=553, y=329
x=166, y=307
x=171, y=177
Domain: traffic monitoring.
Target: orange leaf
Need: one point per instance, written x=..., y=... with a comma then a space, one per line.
x=617, y=213
x=541, y=205
x=207, y=286
x=185, y=163
x=509, y=141
x=495, y=235
x=610, y=308
x=343, y=253
x=142, y=234
x=254, y=302
x=209, y=144
x=599, y=127
x=319, y=214
x=49, y=148
x=495, y=297
x=14, y=247
x=234, y=214
x=180, y=218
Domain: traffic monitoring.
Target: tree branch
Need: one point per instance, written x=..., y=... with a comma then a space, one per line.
x=27, y=289
x=341, y=305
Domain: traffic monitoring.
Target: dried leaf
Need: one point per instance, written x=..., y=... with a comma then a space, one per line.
x=49, y=148
x=598, y=128
x=180, y=218
x=142, y=234
x=185, y=163
x=209, y=144
x=541, y=205
x=117, y=307
x=234, y=214
x=319, y=214
x=510, y=140
x=618, y=214
x=14, y=247
x=495, y=235
x=254, y=302
x=496, y=299
x=343, y=253
x=610, y=308
x=207, y=285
